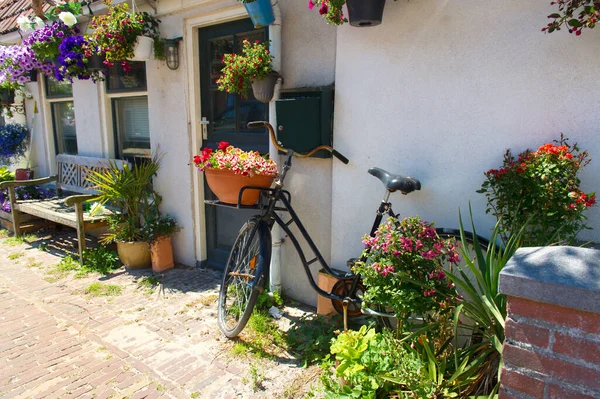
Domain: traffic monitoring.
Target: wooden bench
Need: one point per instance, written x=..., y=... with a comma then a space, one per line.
x=72, y=176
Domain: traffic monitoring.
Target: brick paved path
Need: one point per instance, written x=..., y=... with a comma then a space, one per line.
x=57, y=342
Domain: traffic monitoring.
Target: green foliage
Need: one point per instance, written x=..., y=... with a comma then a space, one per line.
x=404, y=269
x=240, y=70
x=267, y=299
x=99, y=260
x=129, y=190
x=310, y=338
x=483, y=304
x=159, y=227
x=99, y=289
x=360, y=361
x=5, y=174
x=575, y=14
x=541, y=186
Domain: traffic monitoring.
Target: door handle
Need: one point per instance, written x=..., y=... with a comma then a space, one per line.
x=204, y=124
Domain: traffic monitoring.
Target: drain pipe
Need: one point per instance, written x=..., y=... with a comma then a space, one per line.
x=275, y=48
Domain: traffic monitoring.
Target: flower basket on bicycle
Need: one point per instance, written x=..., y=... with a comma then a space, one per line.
x=228, y=169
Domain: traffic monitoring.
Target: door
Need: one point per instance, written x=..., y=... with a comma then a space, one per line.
x=228, y=115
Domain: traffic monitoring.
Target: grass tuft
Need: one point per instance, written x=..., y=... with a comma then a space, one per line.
x=99, y=289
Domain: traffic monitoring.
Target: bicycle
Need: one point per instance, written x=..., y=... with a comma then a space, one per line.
x=247, y=269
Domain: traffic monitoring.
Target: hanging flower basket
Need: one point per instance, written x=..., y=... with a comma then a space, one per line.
x=264, y=88
x=142, y=50
x=260, y=12
x=227, y=185
x=365, y=13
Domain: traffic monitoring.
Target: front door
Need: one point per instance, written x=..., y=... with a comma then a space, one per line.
x=228, y=115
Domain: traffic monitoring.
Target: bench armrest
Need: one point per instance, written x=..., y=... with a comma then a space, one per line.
x=16, y=183
x=77, y=199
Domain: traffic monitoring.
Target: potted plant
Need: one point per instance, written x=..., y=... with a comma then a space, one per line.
x=361, y=13
x=251, y=68
x=228, y=169
x=128, y=190
x=44, y=41
x=158, y=232
x=73, y=62
x=121, y=35
x=19, y=65
x=260, y=12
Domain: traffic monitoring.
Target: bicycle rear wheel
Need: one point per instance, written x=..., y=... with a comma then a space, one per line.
x=244, y=276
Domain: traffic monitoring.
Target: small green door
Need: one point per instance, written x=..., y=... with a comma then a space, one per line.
x=228, y=115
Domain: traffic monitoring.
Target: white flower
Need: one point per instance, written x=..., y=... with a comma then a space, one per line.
x=68, y=18
x=24, y=23
x=39, y=23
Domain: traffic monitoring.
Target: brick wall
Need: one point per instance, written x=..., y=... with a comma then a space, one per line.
x=552, y=346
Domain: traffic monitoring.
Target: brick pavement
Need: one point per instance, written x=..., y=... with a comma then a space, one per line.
x=57, y=342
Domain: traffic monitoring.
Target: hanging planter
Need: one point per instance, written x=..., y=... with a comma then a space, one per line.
x=142, y=51
x=260, y=12
x=96, y=63
x=264, y=88
x=7, y=96
x=365, y=13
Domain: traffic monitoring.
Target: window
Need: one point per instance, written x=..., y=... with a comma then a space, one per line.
x=129, y=102
x=62, y=109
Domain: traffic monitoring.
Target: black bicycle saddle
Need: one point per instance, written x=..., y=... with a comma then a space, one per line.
x=396, y=182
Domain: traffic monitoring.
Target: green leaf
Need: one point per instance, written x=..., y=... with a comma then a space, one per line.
x=575, y=23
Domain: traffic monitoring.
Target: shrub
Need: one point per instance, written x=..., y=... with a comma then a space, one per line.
x=13, y=141
x=404, y=268
x=541, y=186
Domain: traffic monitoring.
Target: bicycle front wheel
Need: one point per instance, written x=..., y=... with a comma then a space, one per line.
x=244, y=276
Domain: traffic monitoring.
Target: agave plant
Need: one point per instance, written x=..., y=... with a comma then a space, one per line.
x=129, y=190
x=484, y=306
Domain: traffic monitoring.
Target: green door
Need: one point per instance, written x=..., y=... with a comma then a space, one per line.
x=228, y=115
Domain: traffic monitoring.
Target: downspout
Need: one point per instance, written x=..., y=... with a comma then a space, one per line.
x=275, y=48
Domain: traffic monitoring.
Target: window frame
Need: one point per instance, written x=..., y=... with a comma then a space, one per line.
x=111, y=96
x=50, y=100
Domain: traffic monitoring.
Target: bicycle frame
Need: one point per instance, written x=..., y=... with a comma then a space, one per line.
x=269, y=215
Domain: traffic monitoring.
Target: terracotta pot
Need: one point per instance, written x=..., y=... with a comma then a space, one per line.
x=226, y=185
x=134, y=255
x=162, y=254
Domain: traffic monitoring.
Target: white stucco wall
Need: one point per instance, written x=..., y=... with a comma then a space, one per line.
x=308, y=60
x=439, y=91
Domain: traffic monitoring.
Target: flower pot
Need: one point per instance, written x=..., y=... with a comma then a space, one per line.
x=7, y=96
x=263, y=89
x=226, y=185
x=23, y=174
x=142, y=50
x=162, y=254
x=134, y=255
x=364, y=13
x=96, y=63
x=260, y=12
x=33, y=75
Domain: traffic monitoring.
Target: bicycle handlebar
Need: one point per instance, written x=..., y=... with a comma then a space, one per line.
x=259, y=124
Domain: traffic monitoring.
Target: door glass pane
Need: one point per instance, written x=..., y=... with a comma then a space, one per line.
x=223, y=111
x=218, y=47
x=65, y=133
x=133, y=130
x=252, y=110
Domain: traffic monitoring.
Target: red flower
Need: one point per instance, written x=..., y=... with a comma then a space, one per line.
x=197, y=159
x=223, y=145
